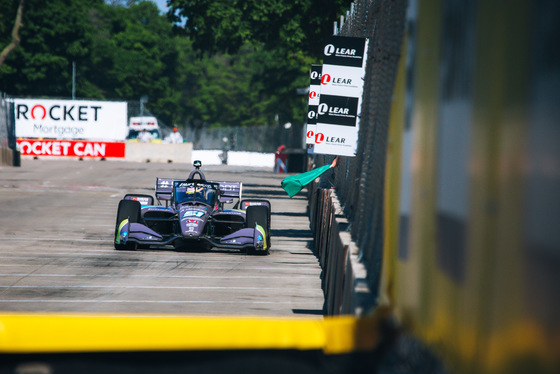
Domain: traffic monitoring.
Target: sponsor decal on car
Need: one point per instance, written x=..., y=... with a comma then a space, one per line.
x=193, y=213
x=141, y=200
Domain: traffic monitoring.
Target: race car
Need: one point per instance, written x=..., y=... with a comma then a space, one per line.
x=191, y=214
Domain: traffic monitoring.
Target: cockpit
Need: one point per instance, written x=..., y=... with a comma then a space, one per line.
x=206, y=193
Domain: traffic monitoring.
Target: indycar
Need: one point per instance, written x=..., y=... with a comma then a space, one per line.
x=192, y=214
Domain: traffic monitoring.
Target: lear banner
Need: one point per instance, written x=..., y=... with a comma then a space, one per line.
x=342, y=84
x=313, y=102
x=70, y=119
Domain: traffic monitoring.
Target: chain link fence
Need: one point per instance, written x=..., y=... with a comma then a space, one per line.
x=359, y=181
x=249, y=139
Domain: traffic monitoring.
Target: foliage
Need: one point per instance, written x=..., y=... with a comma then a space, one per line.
x=291, y=26
x=289, y=35
x=236, y=63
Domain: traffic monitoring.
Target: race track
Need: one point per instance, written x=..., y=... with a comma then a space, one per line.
x=57, y=221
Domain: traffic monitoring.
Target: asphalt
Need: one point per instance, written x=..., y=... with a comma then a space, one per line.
x=57, y=221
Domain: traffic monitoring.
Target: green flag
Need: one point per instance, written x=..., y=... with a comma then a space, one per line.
x=294, y=183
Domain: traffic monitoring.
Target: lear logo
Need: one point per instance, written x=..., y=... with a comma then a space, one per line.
x=326, y=79
x=324, y=108
x=312, y=94
x=315, y=75
x=311, y=114
x=320, y=137
x=330, y=49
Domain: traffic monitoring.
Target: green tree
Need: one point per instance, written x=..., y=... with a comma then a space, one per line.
x=52, y=36
x=134, y=53
x=239, y=64
x=288, y=36
x=120, y=52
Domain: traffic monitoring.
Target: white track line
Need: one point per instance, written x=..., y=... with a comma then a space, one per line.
x=63, y=286
x=159, y=276
x=149, y=301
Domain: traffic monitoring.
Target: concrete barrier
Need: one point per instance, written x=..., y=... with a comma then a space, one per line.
x=6, y=156
x=344, y=277
x=159, y=152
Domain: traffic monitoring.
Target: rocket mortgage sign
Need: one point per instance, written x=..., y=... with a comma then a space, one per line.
x=341, y=89
x=73, y=128
x=71, y=148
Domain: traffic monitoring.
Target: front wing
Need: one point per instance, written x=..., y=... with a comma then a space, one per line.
x=139, y=234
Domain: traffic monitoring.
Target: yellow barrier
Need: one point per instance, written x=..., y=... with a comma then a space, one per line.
x=53, y=333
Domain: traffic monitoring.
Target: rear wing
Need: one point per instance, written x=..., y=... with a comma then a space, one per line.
x=231, y=189
x=164, y=189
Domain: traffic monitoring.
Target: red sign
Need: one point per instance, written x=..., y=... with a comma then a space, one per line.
x=71, y=148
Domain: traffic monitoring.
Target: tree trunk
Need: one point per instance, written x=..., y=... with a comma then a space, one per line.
x=15, y=35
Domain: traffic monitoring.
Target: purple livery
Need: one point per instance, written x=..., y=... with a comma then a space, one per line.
x=191, y=214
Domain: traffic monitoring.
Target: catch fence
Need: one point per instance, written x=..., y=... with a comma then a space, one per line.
x=250, y=139
x=266, y=138
x=359, y=181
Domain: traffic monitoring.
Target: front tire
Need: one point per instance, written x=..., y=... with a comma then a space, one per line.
x=128, y=209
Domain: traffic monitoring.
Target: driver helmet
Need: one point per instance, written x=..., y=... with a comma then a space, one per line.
x=195, y=193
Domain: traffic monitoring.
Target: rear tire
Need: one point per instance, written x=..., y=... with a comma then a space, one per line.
x=128, y=209
x=261, y=216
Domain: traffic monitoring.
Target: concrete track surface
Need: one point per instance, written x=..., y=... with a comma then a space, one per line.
x=57, y=220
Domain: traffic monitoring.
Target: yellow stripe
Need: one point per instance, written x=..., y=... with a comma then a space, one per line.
x=263, y=233
x=51, y=333
x=118, y=237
